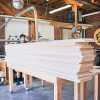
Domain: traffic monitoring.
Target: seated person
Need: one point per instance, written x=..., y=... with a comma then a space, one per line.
x=22, y=40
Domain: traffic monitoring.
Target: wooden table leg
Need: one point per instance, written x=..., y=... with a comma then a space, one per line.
x=83, y=91
x=57, y=89
x=76, y=91
x=26, y=82
x=11, y=79
x=31, y=82
x=42, y=82
x=97, y=87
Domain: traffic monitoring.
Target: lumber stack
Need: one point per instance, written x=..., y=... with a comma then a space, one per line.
x=68, y=59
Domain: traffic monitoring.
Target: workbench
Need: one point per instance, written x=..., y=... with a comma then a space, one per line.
x=79, y=88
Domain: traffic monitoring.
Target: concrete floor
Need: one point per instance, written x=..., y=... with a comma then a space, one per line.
x=43, y=93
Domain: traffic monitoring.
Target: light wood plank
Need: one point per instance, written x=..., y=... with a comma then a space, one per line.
x=83, y=91
x=11, y=79
x=30, y=81
x=76, y=91
x=97, y=87
x=57, y=89
x=25, y=81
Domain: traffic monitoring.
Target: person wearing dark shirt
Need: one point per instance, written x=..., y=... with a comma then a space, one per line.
x=22, y=40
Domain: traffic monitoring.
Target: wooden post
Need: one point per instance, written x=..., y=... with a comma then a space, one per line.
x=36, y=28
x=32, y=30
x=74, y=8
x=76, y=91
x=92, y=1
x=83, y=91
x=57, y=89
x=42, y=82
x=25, y=81
x=11, y=79
x=97, y=87
x=75, y=14
x=30, y=82
x=36, y=31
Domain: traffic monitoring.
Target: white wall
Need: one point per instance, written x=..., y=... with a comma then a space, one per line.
x=47, y=30
x=16, y=27
x=66, y=32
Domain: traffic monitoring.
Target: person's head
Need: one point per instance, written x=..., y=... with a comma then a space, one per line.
x=22, y=38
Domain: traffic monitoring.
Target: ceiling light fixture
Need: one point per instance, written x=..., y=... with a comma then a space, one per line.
x=18, y=4
x=91, y=14
x=59, y=9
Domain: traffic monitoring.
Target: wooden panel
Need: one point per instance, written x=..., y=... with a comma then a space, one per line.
x=33, y=30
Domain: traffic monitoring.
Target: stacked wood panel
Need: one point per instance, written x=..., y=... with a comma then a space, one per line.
x=68, y=59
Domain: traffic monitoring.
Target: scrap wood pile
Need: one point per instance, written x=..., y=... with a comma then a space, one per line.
x=68, y=59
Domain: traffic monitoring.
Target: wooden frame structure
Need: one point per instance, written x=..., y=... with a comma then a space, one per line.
x=96, y=73
x=79, y=88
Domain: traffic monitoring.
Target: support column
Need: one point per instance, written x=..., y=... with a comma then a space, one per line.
x=74, y=8
x=33, y=30
x=76, y=91
x=83, y=91
x=11, y=79
x=31, y=82
x=97, y=87
x=57, y=89
x=42, y=82
x=25, y=81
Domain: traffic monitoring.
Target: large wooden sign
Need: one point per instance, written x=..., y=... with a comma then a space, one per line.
x=97, y=36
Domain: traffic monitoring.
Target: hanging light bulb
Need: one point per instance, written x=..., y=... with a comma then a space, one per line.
x=18, y=4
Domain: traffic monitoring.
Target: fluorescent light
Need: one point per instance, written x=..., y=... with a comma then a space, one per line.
x=91, y=14
x=59, y=9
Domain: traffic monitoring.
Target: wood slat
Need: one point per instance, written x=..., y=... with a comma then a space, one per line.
x=61, y=58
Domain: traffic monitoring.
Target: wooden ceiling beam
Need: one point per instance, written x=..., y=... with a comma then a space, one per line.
x=56, y=3
x=35, y=5
x=5, y=8
x=92, y=1
x=55, y=14
x=27, y=12
x=41, y=11
x=13, y=9
x=41, y=1
x=72, y=2
x=97, y=2
x=89, y=4
x=26, y=15
x=60, y=5
x=9, y=13
x=51, y=1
